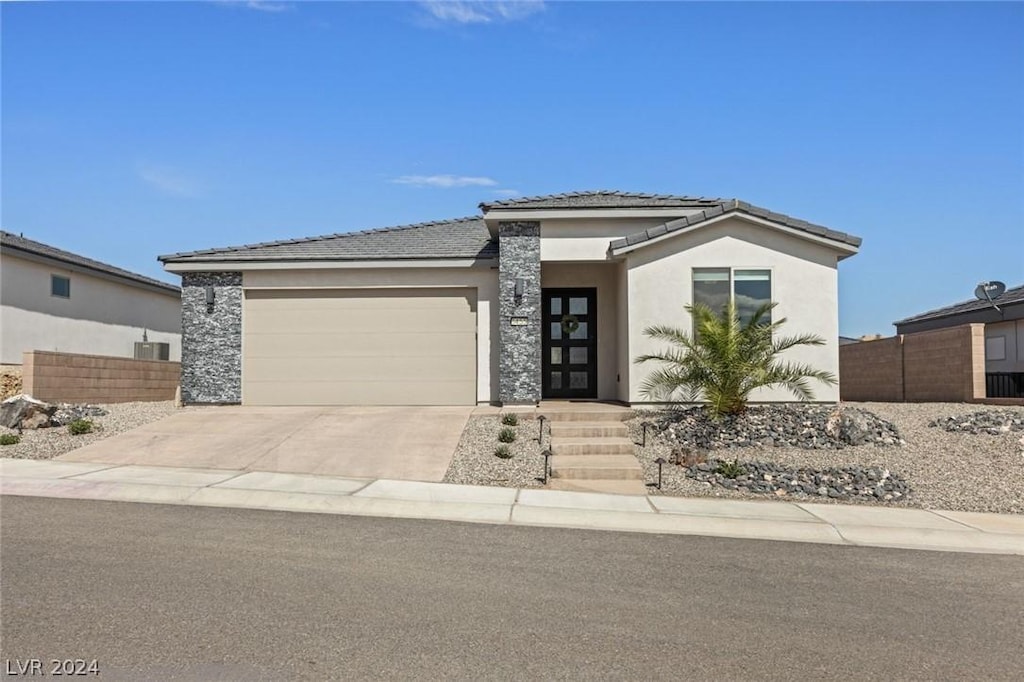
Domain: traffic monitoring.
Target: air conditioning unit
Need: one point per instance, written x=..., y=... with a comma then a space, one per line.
x=150, y=350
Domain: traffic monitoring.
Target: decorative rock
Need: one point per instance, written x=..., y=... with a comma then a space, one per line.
x=775, y=479
x=803, y=426
x=992, y=422
x=15, y=410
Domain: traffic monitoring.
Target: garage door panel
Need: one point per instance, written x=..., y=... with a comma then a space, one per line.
x=359, y=347
x=355, y=299
x=362, y=345
x=349, y=369
x=365, y=393
x=327, y=320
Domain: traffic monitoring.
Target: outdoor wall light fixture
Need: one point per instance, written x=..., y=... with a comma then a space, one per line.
x=209, y=297
x=520, y=286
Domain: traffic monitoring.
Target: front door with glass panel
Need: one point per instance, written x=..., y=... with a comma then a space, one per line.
x=570, y=343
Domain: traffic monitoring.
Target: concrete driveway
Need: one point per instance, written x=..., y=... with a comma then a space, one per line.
x=414, y=443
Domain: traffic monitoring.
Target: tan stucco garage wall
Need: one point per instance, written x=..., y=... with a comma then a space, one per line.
x=482, y=279
x=804, y=283
x=601, y=276
x=102, y=316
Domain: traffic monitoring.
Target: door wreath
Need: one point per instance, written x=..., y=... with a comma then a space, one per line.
x=570, y=323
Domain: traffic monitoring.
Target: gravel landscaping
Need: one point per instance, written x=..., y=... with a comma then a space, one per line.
x=973, y=468
x=47, y=443
x=475, y=463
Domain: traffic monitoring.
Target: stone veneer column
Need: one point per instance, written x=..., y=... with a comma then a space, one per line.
x=211, y=338
x=520, y=366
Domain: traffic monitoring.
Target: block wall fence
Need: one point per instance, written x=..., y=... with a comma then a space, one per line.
x=944, y=365
x=78, y=378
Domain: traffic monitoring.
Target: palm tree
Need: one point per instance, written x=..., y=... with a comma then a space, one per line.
x=724, y=360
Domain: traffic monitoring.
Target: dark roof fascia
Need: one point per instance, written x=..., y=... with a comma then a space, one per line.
x=1007, y=312
x=329, y=259
x=735, y=207
x=139, y=281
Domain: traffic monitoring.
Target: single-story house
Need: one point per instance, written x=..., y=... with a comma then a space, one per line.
x=1004, y=336
x=55, y=300
x=535, y=298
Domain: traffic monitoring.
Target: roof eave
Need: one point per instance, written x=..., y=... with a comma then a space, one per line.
x=661, y=233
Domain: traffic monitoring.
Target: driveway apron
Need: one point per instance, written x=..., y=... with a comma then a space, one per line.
x=412, y=443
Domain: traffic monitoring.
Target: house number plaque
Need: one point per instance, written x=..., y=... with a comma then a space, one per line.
x=519, y=321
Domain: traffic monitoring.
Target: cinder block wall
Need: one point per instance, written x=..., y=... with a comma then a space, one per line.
x=872, y=370
x=944, y=365
x=77, y=378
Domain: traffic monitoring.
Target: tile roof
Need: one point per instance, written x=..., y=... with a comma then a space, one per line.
x=457, y=238
x=601, y=199
x=1014, y=295
x=729, y=206
x=9, y=240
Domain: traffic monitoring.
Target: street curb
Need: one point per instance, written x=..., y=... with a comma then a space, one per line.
x=775, y=521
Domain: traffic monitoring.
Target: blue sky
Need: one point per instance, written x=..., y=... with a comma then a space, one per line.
x=136, y=129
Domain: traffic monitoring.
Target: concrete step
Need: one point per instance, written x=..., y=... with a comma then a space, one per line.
x=574, y=429
x=602, y=467
x=603, y=414
x=599, y=485
x=592, y=446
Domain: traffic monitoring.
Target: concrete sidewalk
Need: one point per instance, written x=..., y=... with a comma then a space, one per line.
x=787, y=521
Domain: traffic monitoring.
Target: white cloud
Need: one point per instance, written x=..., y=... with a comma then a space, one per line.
x=445, y=181
x=168, y=181
x=481, y=11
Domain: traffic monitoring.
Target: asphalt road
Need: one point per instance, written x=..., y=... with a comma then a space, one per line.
x=168, y=592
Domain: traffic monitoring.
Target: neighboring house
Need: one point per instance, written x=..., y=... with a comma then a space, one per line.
x=1004, y=336
x=59, y=301
x=537, y=298
x=847, y=340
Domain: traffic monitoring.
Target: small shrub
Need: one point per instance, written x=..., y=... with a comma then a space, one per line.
x=510, y=419
x=9, y=439
x=80, y=426
x=507, y=435
x=731, y=469
x=503, y=452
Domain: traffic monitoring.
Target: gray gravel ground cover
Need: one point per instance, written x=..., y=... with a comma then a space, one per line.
x=945, y=470
x=475, y=463
x=55, y=441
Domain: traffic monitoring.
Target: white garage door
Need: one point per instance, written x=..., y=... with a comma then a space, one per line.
x=359, y=347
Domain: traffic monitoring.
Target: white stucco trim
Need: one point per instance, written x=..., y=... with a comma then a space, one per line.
x=844, y=249
x=241, y=266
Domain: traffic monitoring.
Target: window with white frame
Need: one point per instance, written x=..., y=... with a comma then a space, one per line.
x=60, y=286
x=749, y=288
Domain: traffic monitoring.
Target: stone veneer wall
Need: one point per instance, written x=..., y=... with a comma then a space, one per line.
x=520, y=361
x=211, y=338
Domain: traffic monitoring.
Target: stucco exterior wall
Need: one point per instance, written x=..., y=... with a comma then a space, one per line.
x=804, y=283
x=101, y=317
x=483, y=279
x=1004, y=346
x=601, y=276
x=587, y=239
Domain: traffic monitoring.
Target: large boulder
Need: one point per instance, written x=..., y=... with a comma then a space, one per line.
x=24, y=411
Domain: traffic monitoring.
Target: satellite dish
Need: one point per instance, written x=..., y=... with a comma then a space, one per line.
x=990, y=291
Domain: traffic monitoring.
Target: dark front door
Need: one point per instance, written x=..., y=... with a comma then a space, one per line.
x=570, y=343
